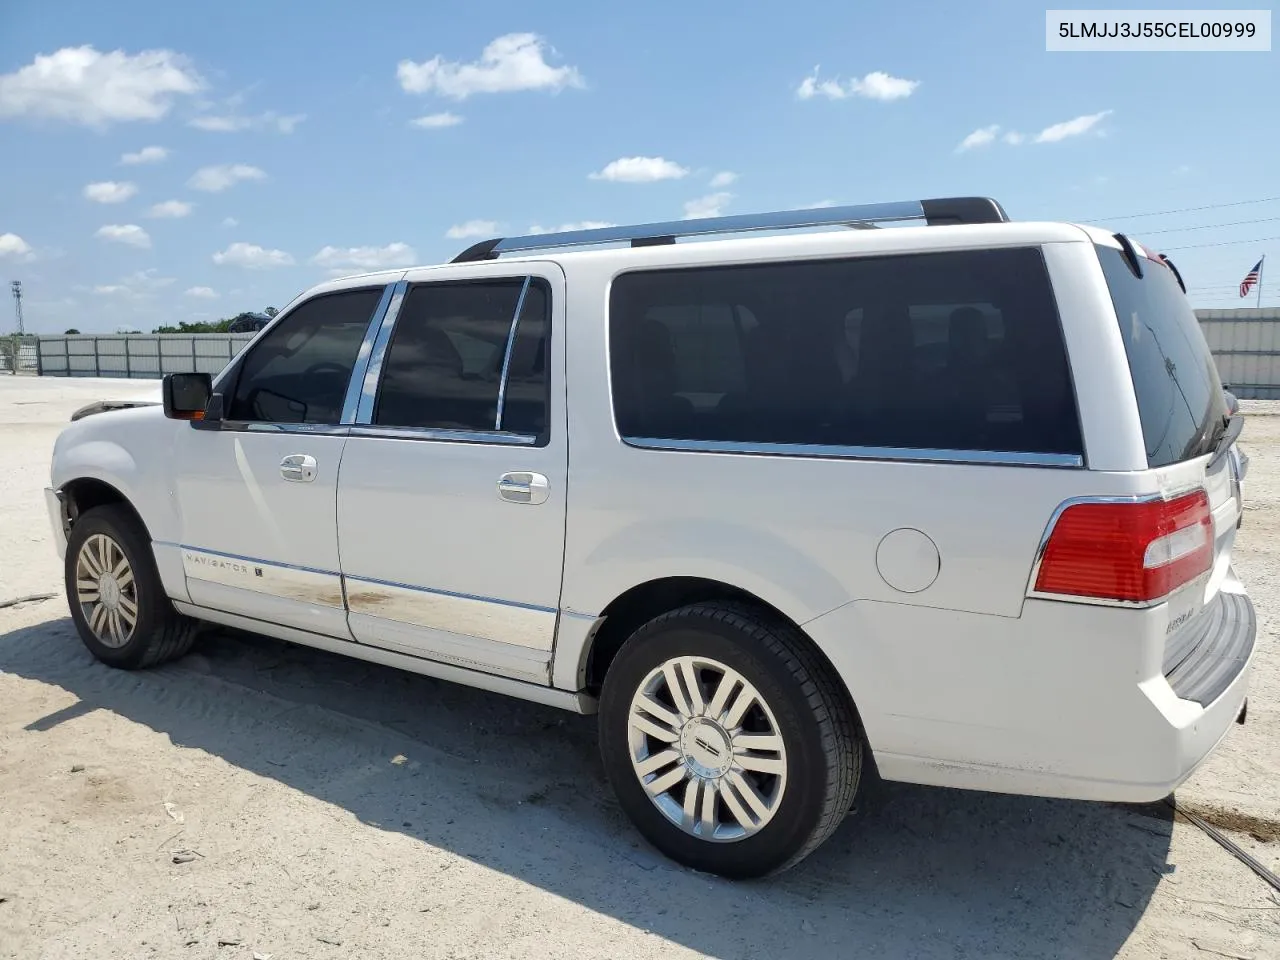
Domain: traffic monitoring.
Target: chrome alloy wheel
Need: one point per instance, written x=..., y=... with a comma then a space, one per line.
x=106, y=590
x=707, y=749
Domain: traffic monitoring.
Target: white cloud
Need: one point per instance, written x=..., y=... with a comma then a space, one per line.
x=981, y=137
x=230, y=222
x=12, y=245
x=127, y=233
x=138, y=285
x=435, y=121
x=83, y=85
x=515, y=61
x=571, y=227
x=723, y=179
x=1059, y=131
x=219, y=178
x=110, y=192
x=201, y=293
x=234, y=123
x=170, y=210
x=472, y=228
x=876, y=85
x=252, y=257
x=712, y=205
x=1070, y=128
x=640, y=170
x=347, y=259
x=145, y=155
x=820, y=205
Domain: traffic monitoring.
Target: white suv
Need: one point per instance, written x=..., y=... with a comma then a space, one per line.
x=953, y=499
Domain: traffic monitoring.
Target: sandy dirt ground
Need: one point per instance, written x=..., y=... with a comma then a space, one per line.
x=325, y=808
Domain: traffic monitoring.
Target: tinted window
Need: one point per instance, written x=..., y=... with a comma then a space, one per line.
x=445, y=362
x=1179, y=391
x=298, y=373
x=949, y=351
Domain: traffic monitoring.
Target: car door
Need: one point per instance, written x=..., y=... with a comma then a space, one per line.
x=256, y=491
x=451, y=497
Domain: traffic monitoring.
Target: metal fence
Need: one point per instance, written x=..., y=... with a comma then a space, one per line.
x=1246, y=347
x=1245, y=343
x=146, y=356
x=19, y=355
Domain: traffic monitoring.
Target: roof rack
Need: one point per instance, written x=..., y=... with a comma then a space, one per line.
x=943, y=211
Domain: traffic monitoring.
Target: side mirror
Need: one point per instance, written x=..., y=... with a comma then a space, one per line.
x=186, y=395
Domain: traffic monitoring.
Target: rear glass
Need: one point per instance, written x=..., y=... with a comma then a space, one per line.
x=945, y=351
x=1177, y=385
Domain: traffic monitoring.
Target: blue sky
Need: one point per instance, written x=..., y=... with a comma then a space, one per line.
x=288, y=152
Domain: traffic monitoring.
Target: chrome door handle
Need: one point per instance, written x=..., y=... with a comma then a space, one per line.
x=298, y=467
x=523, y=487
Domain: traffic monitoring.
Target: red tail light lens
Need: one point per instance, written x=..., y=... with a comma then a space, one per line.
x=1128, y=551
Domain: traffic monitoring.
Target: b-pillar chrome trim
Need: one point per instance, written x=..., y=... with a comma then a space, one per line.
x=368, y=383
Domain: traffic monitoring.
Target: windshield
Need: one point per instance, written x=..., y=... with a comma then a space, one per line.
x=1179, y=392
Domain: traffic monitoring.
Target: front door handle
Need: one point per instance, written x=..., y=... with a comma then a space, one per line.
x=524, y=487
x=298, y=467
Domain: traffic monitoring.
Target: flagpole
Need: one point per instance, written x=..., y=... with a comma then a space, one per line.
x=1260, y=265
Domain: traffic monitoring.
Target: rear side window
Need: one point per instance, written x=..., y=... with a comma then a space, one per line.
x=1179, y=392
x=298, y=372
x=444, y=365
x=957, y=351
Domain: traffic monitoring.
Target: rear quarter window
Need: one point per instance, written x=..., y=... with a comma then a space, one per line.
x=1175, y=379
x=951, y=351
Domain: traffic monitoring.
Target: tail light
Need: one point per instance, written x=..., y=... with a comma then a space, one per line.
x=1132, y=551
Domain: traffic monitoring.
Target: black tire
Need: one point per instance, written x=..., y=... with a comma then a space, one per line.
x=814, y=718
x=160, y=633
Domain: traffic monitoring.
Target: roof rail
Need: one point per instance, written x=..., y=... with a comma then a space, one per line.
x=947, y=210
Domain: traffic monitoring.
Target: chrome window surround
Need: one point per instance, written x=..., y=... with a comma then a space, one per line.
x=363, y=426
x=1033, y=594
x=506, y=357
x=354, y=385
x=1009, y=458
x=380, y=335
x=453, y=436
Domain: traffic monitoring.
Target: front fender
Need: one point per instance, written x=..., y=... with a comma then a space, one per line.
x=130, y=451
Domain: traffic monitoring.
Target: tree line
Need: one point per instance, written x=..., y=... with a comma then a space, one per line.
x=199, y=326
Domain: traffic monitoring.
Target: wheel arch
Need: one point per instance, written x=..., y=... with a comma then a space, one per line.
x=643, y=602
x=82, y=494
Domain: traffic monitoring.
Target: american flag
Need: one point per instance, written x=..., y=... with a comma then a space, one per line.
x=1250, y=279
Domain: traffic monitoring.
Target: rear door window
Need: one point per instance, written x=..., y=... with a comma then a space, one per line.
x=449, y=351
x=955, y=351
x=1179, y=392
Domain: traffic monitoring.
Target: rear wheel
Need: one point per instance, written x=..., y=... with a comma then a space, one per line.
x=727, y=740
x=117, y=601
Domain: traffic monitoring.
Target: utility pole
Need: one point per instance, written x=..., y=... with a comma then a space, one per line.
x=16, y=287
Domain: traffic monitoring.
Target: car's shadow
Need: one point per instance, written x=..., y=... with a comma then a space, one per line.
x=914, y=872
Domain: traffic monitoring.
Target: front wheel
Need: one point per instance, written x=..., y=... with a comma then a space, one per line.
x=117, y=601
x=727, y=740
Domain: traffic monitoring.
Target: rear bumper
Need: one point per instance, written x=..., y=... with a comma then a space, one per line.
x=1066, y=701
x=57, y=519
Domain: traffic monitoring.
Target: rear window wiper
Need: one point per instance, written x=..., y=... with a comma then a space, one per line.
x=1230, y=432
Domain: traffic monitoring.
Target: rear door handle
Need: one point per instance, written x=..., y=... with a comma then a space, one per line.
x=523, y=487
x=298, y=467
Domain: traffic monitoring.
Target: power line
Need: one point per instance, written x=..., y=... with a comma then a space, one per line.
x=1221, y=243
x=1165, y=213
x=1209, y=226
